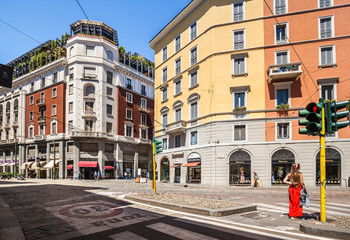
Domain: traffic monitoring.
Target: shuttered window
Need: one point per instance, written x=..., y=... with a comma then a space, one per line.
x=325, y=3
x=238, y=40
x=193, y=56
x=177, y=114
x=194, y=79
x=327, y=55
x=281, y=58
x=194, y=110
x=239, y=99
x=178, y=87
x=177, y=66
x=238, y=14
x=325, y=27
x=193, y=31
x=280, y=6
x=239, y=133
x=282, y=96
x=239, y=65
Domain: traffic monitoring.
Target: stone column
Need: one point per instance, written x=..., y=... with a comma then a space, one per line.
x=12, y=157
x=101, y=162
x=36, y=155
x=48, y=170
x=119, y=158
x=136, y=161
x=76, y=159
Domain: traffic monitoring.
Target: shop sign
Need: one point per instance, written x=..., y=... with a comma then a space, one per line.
x=127, y=170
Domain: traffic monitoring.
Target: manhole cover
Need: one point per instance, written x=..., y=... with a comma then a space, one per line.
x=255, y=216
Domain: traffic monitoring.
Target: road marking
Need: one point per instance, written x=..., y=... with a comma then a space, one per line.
x=339, y=204
x=126, y=236
x=317, y=208
x=178, y=232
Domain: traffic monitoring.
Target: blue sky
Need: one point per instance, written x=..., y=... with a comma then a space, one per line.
x=136, y=21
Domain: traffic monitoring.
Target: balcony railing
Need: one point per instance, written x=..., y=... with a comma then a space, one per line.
x=40, y=137
x=176, y=127
x=88, y=134
x=144, y=109
x=40, y=102
x=90, y=96
x=41, y=120
x=284, y=72
x=89, y=114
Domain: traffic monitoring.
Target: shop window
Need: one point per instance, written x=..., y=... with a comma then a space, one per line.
x=177, y=141
x=333, y=167
x=240, y=168
x=281, y=160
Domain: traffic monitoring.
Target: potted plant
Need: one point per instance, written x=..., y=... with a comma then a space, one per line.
x=239, y=109
x=282, y=107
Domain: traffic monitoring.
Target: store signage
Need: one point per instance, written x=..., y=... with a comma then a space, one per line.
x=127, y=170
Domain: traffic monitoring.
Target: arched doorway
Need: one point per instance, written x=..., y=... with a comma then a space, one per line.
x=240, y=168
x=165, y=170
x=194, y=169
x=282, y=160
x=333, y=166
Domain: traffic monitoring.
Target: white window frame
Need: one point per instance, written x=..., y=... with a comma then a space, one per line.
x=167, y=118
x=329, y=82
x=141, y=123
x=126, y=116
x=145, y=129
x=289, y=129
x=129, y=95
x=54, y=92
x=31, y=100
x=70, y=110
x=195, y=100
x=166, y=69
x=111, y=90
x=54, y=121
x=180, y=141
x=282, y=51
x=332, y=26
x=177, y=108
x=190, y=79
x=167, y=143
x=54, y=106
x=111, y=82
x=274, y=7
x=31, y=126
x=190, y=54
x=189, y=30
x=190, y=142
x=244, y=90
x=176, y=50
x=287, y=32
x=175, y=84
x=244, y=38
x=282, y=86
x=163, y=57
x=143, y=106
x=245, y=65
x=129, y=124
x=246, y=131
x=70, y=126
x=111, y=132
x=233, y=10
x=31, y=116
x=107, y=109
x=175, y=73
x=334, y=55
x=319, y=5
x=70, y=87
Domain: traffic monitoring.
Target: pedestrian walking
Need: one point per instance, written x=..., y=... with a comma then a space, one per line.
x=95, y=175
x=99, y=175
x=296, y=182
x=256, y=178
x=79, y=175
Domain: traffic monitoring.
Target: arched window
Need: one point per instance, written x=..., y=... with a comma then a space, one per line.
x=240, y=168
x=71, y=51
x=89, y=91
x=333, y=166
x=282, y=160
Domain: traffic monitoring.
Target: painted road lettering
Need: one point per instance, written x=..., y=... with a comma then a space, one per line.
x=116, y=220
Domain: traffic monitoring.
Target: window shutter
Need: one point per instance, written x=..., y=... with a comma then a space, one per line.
x=242, y=70
x=328, y=27
x=329, y=56
x=236, y=133
x=323, y=56
x=277, y=6
x=241, y=100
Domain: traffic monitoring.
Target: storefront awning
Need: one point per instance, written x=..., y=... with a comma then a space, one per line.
x=192, y=164
x=50, y=164
x=90, y=164
x=109, y=168
x=24, y=165
x=11, y=164
x=70, y=167
x=4, y=164
x=176, y=165
x=41, y=165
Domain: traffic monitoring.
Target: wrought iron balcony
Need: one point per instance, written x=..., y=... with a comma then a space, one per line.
x=282, y=72
x=176, y=127
x=41, y=120
x=15, y=109
x=40, y=102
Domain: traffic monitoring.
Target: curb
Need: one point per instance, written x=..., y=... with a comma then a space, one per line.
x=325, y=231
x=195, y=210
x=9, y=226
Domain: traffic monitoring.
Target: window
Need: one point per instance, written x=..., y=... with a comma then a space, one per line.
x=282, y=96
x=42, y=84
x=327, y=55
x=89, y=72
x=70, y=126
x=129, y=131
x=143, y=103
x=143, y=90
x=194, y=138
x=280, y=6
x=238, y=11
x=42, y=97
x=90, y=50
x=71, y=51
x=193, y=56
x=54, y=110
x=128, y=84
x=165, y=143
x=327, y=92
x=89, y=91
x=89, y=106
x=109, y=109
x=177, y=43
x=239, y=100
x=239, y=66
x=282, y=57
x=164, y=94
x=239, y=133
x=129, y=97
x=165, y=53
x=70, y=107
x=238, y=38
x=194, y=79
x=70, y=89
x=194, y=110
x=31, y=132
x=54, y=92
x=53, y=128
x=143, y=119
x=325, y=26
x=109, y=91
x=31, y=115
x=193, y=31
x=71, y=74
x=165, y=75
x=32, y=86
x=282, y=130
x=281, y=33
x=55, y=77
x=177, y=114
x=178, y=66
x=177, y=87
x=164, y=119
x=31, y=100
x=89, y=125
x=144, y=133
x=129, y=114
x=109, y=127
x=325, y=3
x=109, y=55
x=109, y=77
x=177, y=141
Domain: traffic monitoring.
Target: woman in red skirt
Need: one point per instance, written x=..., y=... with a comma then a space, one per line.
x=295, y=180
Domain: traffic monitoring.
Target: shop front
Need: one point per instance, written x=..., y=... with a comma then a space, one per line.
x=70, y=169
x=240, y=168
x=282, y=161
x=144, y=169
x=165, y=164
x=128, y=170
x=87, y=169
x=177, y=170
x=109, y=170
x=193, y=168
x=333, y=167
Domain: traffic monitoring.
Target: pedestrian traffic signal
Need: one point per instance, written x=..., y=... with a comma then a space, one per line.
x=313, y=122
x=158, y=148
x=333, y=116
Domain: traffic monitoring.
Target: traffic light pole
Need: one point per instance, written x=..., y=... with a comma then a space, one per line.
x=323, y=168
x=154, y=167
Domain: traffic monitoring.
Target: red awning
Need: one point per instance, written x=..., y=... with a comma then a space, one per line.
x=192, y=164
x=176, y=165
x=69, y=167
x=88, y=164
x=109, y=168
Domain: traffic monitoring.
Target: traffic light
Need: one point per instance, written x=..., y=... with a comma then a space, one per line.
x=313, y=122
x=158, y=146
x=333, y=116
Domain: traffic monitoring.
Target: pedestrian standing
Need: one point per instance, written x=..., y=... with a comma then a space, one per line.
x=95, y=175
x=79, y=175
x=296, y=182
x=99, y=175
x=256, y=178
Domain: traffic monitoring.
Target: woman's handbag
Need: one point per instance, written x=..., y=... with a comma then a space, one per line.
x=304, y=198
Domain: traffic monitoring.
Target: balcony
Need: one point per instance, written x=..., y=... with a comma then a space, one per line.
x=15, y=109
x=90, y=96
x=282, y=72
x=3, y=141
x=176, y=127
x=40, y=138
x=7, y=126
x=8, y=111
x=89, y=134
x=89, y=114
x=40, y=102
x=15, y=124
x=41, y=120
x=89, y=76
x=144, y=109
